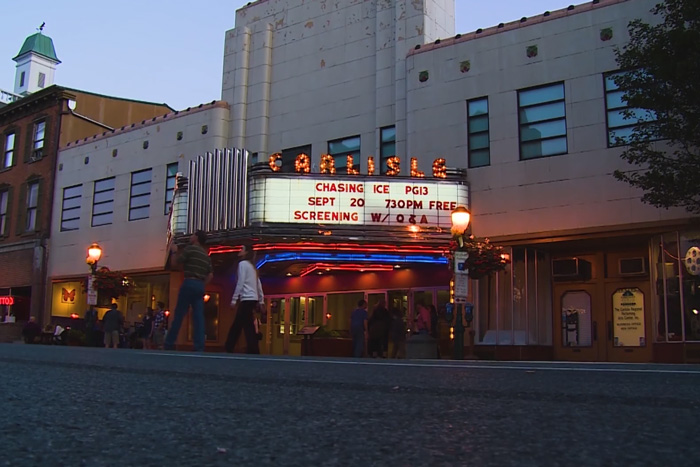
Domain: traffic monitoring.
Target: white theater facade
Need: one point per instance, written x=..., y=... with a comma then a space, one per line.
x=365, y=123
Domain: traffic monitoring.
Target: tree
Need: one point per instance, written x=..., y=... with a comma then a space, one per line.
x=662, y=79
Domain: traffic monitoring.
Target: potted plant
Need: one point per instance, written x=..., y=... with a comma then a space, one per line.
x=75, y=337
x=483, y=258
x=110, y=284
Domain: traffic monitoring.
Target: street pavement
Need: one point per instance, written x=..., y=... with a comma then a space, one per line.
x=78, y=406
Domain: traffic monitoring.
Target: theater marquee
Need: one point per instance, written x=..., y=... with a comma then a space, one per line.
x=371, y=202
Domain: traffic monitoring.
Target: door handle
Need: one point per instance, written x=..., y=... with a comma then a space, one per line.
x=595, y=331
x=610, y=330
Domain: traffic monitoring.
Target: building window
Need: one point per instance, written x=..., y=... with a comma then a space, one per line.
x=290, y=155
x=103, y=202
x=32, y=205
x=70, y=209
x=140, y=195
x=9, y=153
x=4, y=205
x=542, y=116
x=39, y=134
x=21, y=79
x=340, y=149
x=478, y=132
x=170, y=179
x=620, y=129
x=42, y=80
x=387, y=147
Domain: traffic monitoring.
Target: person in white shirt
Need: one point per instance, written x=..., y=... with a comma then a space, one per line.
x=248, y=295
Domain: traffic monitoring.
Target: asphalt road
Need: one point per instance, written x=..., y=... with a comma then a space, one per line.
x=102, y=407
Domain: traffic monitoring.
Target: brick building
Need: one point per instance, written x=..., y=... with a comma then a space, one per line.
x=35, y=121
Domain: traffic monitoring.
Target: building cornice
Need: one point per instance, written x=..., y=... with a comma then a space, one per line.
x=513, y=25
x=146, y=123
x=28, y=104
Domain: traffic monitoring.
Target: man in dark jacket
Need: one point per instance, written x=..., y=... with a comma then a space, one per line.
x=111, y=323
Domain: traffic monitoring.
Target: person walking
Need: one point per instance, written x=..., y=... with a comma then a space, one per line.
x=247, y=296
x=358, y=329
x=112, y=322
x=198, y=271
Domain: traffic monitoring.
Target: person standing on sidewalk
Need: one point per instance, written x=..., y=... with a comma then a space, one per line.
x=196, y=265
x=112, y=323
x=158, y=334
x=358, y=329
x=248, y=295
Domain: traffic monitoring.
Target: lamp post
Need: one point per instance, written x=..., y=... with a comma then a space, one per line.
x=460, y=222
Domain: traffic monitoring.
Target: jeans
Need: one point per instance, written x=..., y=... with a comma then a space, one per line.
x=191, y=294
x=358, y=343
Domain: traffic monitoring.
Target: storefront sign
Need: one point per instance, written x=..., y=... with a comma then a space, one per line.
x=364, y=202
x=628, y=318
x=7, y=300
x=67, y=296
x=460, y=258
x=461, y=288
x=91, y=291
x=302, y=165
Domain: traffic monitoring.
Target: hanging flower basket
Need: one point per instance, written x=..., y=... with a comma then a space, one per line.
x=484, y=258
x=110, y=284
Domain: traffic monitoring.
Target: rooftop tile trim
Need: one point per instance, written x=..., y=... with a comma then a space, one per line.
x=556, y=14
x=149, y=122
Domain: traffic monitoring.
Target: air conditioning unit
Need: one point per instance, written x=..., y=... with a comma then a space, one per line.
x=571, y=269
x=633, y=266
x=36, y=155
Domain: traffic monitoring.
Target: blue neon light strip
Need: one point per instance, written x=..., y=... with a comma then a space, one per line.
x=349, y=257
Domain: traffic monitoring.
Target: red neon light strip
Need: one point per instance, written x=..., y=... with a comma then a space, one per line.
x=345, y=267
x=369, y=248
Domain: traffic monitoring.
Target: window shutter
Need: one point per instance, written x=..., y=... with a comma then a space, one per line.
x=8, y=224
x=21, y=209
x=15, y=155
x=48, y=144
x=28, y=142
x=4, y=187
x=39, y=207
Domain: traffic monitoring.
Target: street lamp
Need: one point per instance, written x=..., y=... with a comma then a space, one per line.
x=94, y=255
x=460, y=222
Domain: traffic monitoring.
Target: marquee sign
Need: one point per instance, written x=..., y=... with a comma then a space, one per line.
x=370, y=202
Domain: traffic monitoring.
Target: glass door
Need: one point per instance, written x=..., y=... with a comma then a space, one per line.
x=279, y=340
x=314, y=311
x=578, y=323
